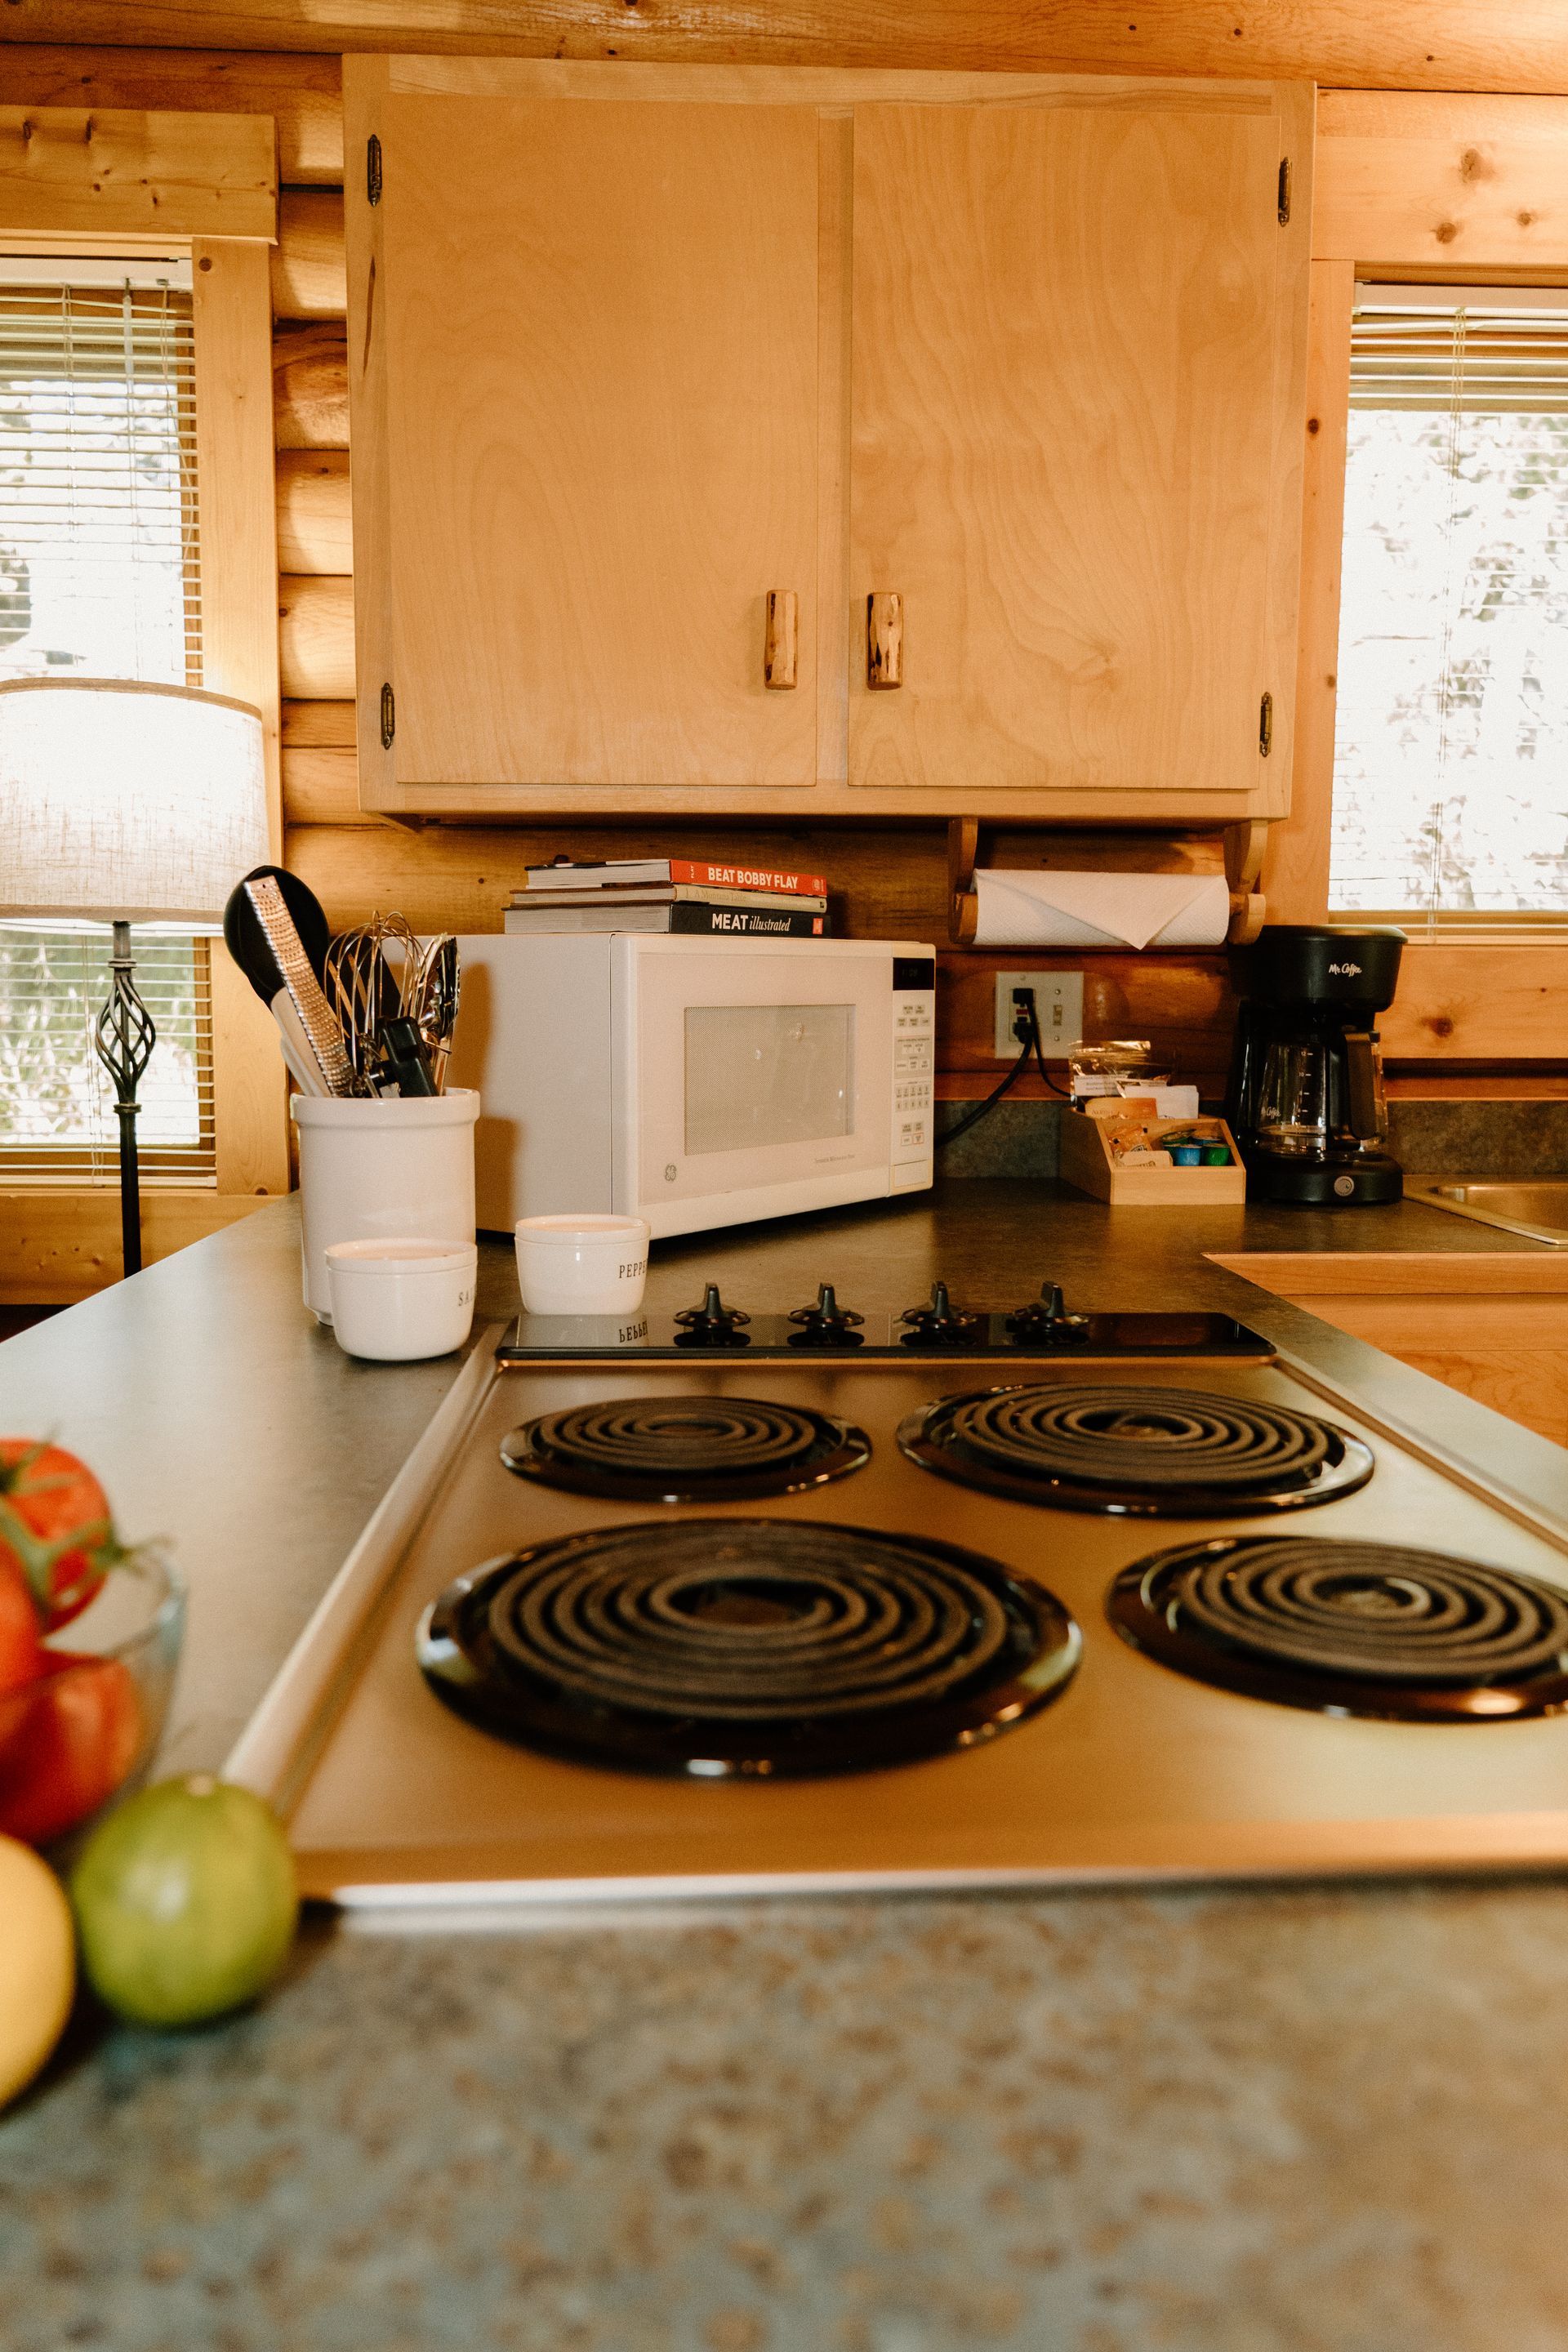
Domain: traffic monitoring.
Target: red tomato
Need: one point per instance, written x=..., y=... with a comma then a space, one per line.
x=67, y=1739
x=22, y=1651
x=54, y=1527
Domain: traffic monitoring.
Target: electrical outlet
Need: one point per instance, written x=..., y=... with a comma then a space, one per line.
x=1058, y=1007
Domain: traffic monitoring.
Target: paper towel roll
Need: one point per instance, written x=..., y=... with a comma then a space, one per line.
x=1032, y=910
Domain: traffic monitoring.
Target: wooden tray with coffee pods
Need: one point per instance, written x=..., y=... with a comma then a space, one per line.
x=1108, y=1150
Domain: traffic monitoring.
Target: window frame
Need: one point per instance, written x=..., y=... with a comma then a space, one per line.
x=209, y=175
x=1387, y=208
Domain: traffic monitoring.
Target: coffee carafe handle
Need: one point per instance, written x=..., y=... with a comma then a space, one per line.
x=1363, y=1059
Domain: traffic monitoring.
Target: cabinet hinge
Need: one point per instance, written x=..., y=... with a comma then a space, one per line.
x=1264, y=724
x=372, y=170
x=389, y=718
x=1284, y=191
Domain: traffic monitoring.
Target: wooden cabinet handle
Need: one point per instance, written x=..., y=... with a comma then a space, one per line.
x=884, y=640
x=779, y=655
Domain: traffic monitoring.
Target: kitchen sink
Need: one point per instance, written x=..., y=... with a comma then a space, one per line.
x=1537, y=1211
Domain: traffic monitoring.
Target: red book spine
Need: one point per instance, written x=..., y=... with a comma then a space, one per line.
x=746, y=878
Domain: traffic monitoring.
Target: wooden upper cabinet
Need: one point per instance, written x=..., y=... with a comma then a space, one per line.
x=1076, y=406
x=634, y=348
x=583, y=343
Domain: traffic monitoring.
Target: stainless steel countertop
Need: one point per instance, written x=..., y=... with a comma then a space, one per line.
x=218, y=1412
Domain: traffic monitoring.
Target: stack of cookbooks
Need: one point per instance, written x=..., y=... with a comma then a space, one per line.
x=696, y=895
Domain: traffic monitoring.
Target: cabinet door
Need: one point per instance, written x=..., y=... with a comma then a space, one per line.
x=585, y=444
x=1074, y=324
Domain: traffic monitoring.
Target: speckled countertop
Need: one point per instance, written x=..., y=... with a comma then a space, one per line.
x=1316, y=2119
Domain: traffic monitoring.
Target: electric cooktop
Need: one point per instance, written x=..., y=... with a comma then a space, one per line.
x=888, y=1612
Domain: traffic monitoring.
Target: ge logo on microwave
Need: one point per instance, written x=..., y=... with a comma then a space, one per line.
x=669, y=1171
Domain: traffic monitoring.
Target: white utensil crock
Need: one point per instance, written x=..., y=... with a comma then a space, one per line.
x=380, y=1170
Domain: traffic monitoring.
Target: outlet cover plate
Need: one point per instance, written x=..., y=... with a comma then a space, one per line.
x=1058, y=1002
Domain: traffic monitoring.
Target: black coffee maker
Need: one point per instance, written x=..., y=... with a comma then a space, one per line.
x=1305, y=1100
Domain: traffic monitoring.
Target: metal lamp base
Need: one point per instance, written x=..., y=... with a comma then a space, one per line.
x=123, y=1038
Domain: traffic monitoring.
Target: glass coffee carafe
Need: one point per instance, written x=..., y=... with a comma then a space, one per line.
x=1321, y=1089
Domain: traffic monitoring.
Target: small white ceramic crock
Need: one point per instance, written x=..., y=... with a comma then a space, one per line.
x=582, y=1265
x=396, y=1301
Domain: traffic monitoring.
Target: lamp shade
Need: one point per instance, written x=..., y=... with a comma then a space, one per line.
x=121, y=799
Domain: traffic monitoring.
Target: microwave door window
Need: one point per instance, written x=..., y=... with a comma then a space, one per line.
x=763, y=1075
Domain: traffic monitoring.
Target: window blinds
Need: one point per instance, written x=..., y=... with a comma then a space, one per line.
x=99, y=578
x=1451, y=743
x=97, y=480
x=56, y=1102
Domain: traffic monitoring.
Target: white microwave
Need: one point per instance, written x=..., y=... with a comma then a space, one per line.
x=694, y=1082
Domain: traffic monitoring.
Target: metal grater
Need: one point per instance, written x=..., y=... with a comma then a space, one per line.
x=323, y=1034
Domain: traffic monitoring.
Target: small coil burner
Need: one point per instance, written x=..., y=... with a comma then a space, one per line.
x=745, y=1647
x=685, y=1449
x=1350, y=1628
x=1142, y=1452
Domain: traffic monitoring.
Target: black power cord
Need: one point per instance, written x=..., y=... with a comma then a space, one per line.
x=1026, y=1019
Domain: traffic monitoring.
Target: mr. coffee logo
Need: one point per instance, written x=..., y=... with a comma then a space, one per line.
x=1345, y=970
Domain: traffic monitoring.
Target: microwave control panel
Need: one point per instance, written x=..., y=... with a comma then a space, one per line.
x=914, y=1066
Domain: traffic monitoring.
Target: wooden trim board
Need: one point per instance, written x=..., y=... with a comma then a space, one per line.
x=72, y=172
x=303, y=95
x=1419, y=1273
x=59, y=1244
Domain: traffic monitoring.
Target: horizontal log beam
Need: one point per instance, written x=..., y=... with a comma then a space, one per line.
x=326, y=726
x=320, y=786
x=1463, y=1004
x=314, y=528
x=1508, y=44
x=316, y=637
x=310, y=386
x=302, y=94
x=73, y=172
x=309, y=274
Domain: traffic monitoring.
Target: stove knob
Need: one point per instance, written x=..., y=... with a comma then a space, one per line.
x=711, y=1325
x=1046, y=1322
x=826, y=1325
x=938, y=1325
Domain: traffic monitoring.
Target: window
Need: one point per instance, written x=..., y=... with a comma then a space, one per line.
x=1450, y=795
x=98, y=576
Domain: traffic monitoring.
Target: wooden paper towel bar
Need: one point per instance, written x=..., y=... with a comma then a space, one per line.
x=1243, y=847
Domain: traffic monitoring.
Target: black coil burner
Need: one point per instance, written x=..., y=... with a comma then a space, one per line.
x=685, y=1449
x=755, y=1647
x=1143, y=1452
x=1350, y=1628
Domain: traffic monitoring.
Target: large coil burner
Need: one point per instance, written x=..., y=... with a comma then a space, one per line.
x=685, y=1449
x=1350, y=1628
x=746, y=1647
x=1150, y=1452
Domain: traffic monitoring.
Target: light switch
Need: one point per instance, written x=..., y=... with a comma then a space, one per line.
x=1058, y=1007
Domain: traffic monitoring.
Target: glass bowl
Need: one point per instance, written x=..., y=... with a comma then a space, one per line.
x=88, y=1727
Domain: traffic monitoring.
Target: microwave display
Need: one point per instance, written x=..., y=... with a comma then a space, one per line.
x=768, y=1074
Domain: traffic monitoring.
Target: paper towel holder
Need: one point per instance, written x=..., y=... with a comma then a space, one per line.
x=1245, y=843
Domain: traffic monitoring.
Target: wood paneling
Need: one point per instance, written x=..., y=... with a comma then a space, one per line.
x=1068, y=321
x=71, y=172
x=599, y=467
x=1423, y=180
x=310, y=386
x=316, y=637
x=302, y=94
x=1508, y=44
x=309, y=278
x=58, y=1243
x=315, y=529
